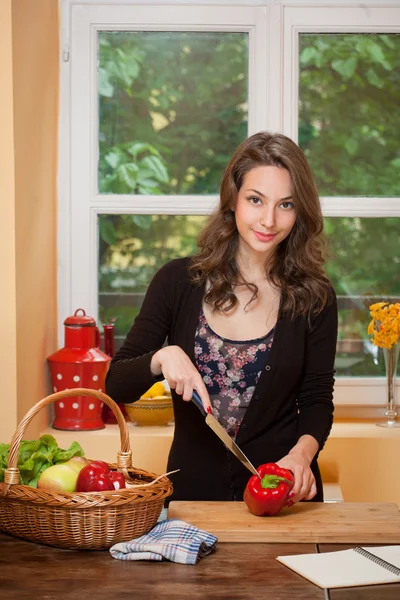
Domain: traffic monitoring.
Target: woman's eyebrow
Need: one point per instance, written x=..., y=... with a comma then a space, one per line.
x=261, y=194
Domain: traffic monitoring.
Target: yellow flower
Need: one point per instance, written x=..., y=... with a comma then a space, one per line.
x=385, y=324
x=377, y=305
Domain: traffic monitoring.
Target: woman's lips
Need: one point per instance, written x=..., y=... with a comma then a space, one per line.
x=264, y=237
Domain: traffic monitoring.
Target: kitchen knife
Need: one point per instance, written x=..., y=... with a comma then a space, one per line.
x=223, y=435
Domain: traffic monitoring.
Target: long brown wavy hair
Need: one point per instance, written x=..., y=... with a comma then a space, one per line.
x=296, y=268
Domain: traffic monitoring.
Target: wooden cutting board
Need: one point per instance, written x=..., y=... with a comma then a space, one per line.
x=318, y=522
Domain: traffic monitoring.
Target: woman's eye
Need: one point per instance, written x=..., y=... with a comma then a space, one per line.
x=255, y=200
x=287, y=205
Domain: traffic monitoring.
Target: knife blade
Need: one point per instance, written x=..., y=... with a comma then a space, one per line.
x=223, y=435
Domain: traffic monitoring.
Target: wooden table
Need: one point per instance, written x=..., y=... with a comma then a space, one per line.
x=235, y=571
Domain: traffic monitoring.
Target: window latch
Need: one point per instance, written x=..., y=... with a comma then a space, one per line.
x=66, y=53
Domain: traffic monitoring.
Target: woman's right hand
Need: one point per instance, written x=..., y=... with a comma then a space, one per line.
x=182, y=376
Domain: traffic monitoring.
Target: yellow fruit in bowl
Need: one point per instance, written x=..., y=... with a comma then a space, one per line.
x=154, y=407
x=156, y=390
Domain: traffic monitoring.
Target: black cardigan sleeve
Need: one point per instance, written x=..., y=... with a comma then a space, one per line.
x=129, y=375
x=315, y=397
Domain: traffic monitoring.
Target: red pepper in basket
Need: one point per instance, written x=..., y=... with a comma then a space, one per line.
x=267, y=496
x=97, y=477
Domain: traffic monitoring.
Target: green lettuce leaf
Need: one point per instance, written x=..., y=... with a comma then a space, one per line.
x=35, y=456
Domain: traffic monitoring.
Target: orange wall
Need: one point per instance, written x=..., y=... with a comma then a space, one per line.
x=35, y=33
x=29, y=34
x=8, y=344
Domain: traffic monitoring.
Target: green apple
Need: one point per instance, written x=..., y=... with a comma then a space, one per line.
x=77, y=463
x=59, y=478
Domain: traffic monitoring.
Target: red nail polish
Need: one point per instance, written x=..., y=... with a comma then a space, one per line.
x=209, y=410
x=291, y=495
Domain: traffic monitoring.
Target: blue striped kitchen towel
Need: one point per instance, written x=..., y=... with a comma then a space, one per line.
x=171, y=539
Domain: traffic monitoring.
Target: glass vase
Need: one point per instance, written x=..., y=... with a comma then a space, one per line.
x=391, y=357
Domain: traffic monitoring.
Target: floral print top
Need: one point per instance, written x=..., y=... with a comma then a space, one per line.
x=230, y=371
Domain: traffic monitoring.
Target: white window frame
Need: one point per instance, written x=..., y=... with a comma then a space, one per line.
x=273, y=27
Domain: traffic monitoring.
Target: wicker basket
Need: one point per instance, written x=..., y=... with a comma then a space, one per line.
x=84, y=521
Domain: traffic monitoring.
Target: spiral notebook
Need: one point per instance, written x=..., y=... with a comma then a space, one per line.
x=348, y=568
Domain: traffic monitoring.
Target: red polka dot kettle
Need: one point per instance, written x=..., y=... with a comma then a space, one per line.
x=80, y=363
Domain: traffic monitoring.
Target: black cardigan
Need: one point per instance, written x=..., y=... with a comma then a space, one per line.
x=293, y=396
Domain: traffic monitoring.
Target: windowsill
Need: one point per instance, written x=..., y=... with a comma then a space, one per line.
x=113, y=431
x=363, y=428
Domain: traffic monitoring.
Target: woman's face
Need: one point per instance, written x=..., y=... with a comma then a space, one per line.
x=264, y=211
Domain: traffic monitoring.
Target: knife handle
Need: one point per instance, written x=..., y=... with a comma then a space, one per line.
x=197, y=401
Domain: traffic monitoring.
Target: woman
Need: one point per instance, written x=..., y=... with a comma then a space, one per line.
x=251, y=324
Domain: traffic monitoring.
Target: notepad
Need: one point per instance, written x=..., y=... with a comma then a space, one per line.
x=348, y=568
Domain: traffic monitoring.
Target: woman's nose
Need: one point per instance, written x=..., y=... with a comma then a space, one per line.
x=268, y=217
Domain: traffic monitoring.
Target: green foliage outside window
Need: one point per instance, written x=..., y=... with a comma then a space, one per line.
x=182, y=96
x=349, y=118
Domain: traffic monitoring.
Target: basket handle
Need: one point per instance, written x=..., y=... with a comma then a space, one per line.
x=124, y=457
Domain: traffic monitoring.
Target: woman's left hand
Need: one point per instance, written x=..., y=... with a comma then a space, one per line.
x=304, y=487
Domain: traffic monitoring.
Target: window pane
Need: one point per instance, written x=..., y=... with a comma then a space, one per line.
x=349, y=118
x=364, y=267
x=172, y=109
x=131, y=249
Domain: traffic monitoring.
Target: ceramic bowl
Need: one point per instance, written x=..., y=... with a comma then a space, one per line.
x=155, y=411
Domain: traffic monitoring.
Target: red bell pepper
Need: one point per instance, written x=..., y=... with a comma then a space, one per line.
x=268, y=495
x=117, y=479
x=97, y=477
